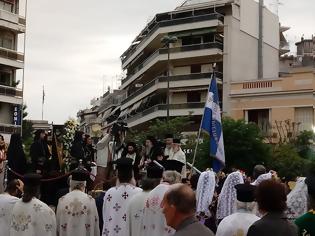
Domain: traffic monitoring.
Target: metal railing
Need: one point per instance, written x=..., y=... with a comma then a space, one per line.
x=10, y=91
x=173, y=50
x=165, y=23
x=162, y=107
x=160, y=79
x=11, y=54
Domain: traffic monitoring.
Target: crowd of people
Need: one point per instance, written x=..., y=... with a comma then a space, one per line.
x=149, y=192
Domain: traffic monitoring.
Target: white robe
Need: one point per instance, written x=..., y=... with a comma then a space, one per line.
x=102, y=151
x=154, y=223
x=34, y=218
x=115, y=206
x=77, y=215
x=7, y=203
x=135, y=213
x=236, y=224
x=181, y=157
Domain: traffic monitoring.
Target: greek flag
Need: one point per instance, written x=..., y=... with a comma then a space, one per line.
x=211, y=123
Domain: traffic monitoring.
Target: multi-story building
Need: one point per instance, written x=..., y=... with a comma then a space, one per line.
x=278, y=102
x=239, y=36
x=11, y=26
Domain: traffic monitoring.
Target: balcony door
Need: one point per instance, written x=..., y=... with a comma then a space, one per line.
x=260, y=117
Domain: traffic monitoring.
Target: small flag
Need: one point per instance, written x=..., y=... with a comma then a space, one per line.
x=43, y=95
x=211, y=123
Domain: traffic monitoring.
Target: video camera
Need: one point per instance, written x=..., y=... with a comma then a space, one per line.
x=119, y=126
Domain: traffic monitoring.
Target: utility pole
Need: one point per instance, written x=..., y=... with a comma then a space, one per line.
x=260, y=40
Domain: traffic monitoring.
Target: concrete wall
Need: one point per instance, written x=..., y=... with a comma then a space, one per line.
x=6, y=113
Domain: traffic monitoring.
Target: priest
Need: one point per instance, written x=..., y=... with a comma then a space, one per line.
x=76, y=213
x=116, y=200
x=30, y=216
x=239, y=222
x=137, y=202
x=177, y=154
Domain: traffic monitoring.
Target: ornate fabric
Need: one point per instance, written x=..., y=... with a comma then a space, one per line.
x=204, y=193
x=77, y=215
x=154, y=223
x=297, y=200
x=227, y=198
x=262, y=178
x=32, y=218
x=6, y=206
x=135, y=213
x=116, y=201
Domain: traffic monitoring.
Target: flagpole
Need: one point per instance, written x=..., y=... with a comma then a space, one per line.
x=43, y=103
x=199, y=131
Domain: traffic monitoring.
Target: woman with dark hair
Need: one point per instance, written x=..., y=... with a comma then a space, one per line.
x=77, y=149
x=16, y=157
x=39, y=153
x=271, y=198
x=30, y=216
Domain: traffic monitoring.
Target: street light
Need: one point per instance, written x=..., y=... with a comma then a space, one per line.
x=167, y=40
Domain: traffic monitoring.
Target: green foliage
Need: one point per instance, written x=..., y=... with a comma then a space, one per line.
x=287, y=162
x=244, y=145
x=303, y=143
x=159, y=128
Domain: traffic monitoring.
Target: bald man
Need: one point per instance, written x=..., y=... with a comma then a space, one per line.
x=179, y=206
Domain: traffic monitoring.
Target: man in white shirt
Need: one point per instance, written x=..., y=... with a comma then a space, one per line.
x=76, y=213
x=8, y=199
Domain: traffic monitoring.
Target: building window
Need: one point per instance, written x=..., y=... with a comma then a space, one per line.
x=193, y=96
x=7, y=40
x=5, y=78
x=191, y=40
x=6, y=6
x=261, y=118
x=305, y=117
x=195, y=68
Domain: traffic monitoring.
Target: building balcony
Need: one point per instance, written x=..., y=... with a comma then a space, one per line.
x=177, y=53
x=12, y=21
x=160, y=110
x=10, y=95
x=9, y=129
x=11, y=58
x=156, y=28
x=176, y=81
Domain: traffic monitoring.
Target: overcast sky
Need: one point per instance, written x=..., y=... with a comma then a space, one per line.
x=73, y=47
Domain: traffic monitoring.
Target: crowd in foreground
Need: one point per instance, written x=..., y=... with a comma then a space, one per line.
x=162, y=205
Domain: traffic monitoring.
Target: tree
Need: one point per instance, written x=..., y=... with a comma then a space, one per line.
x=244, y=145
x=303, y=144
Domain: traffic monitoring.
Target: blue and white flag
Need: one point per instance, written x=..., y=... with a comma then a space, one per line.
x=211, y=123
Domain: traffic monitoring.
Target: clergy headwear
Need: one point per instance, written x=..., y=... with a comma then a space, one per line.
x=245, y=192
x=32, y=179
x=173, y=165
x=79, y=175
x=124, y=163
x=176, y=141
x=169, y=136
x=154, y=171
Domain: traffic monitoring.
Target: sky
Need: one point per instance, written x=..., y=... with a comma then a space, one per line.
x=73, y=47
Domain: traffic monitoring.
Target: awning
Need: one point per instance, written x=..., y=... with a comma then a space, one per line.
x=193, y=32
x=136, y=106
x=114, y=111
x=106, y=113
x=188, y=89
x=124, y=112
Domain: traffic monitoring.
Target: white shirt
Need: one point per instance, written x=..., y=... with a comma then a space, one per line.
x=7, y=203
x=115, y=207
x=135, y=213
x=236, y=224
x=34, y=218
x=77, y=215
x=102, y=151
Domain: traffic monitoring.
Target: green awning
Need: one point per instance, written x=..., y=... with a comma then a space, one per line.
x=186, y=33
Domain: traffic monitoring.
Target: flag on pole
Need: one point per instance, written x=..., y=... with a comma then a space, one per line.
x=211, y=123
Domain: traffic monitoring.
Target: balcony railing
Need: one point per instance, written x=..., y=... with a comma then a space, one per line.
x=163, y=107
x=173, y=50
x=9, y=129
x=172, y=22
x=11, y=54
x=10, y=91
x=160, y=79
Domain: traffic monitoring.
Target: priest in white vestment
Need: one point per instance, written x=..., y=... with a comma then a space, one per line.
x=76, y=213
x=30, y=216
x=227, y=198
x=168, y=145
x=238, y=223
x=154, y=222
x=116, y=200
x=177, y=154
x=137, y=202
x=7, y=201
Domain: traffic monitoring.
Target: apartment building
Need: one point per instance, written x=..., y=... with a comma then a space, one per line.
x=12, y=24
x=232, y=34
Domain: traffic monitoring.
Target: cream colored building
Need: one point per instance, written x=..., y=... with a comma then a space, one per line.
x=289, y=97
x=11, y=26
x=225, y=32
